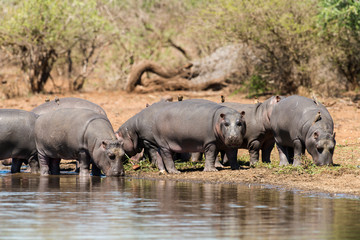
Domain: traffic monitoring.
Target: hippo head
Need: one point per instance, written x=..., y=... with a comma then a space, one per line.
x=231, y=128
x=130, y=141
x=320, y=145
x=109, y=156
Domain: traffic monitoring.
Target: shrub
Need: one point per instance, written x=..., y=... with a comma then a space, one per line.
x=340, y=29
x=39, y=32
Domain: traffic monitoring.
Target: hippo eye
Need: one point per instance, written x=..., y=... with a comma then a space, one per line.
x=227, y=124
x=238, y=123
x=111, y=156
x=320, y=149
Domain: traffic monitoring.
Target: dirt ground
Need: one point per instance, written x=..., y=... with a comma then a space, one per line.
x=344, y=178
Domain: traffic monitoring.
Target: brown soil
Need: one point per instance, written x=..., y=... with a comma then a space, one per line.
x=343, y=178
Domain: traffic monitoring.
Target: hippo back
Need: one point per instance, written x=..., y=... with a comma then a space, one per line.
x=295, y=115
x=69, y=102
x=17, y=133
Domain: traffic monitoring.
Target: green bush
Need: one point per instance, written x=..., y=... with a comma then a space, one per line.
x=283, y=31
x=339, y=23
x=39, y=32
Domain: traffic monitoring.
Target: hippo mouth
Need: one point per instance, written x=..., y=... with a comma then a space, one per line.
x=115, y=173
x=233, y=143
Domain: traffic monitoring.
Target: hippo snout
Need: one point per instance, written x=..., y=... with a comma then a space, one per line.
x=323, y=159
x=233, y=141
x=115, y=173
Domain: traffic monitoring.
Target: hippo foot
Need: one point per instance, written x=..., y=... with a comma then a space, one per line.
x=283, y=163
x=174, y=171
x=218, y=164
x=253, y=162
x=235, y=167
x=296, y=163
x=162, y=172
x=84, y=173
x=210, y=169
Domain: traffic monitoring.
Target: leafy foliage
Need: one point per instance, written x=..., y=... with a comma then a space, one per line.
x=340, y=28
x=38, y=32
x=278, y=28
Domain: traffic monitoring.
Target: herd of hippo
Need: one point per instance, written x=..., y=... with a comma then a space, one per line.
x=74, y=128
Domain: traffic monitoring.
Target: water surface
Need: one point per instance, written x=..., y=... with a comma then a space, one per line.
x=70, y=207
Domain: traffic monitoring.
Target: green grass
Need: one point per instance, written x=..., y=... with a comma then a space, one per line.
x=307, y=167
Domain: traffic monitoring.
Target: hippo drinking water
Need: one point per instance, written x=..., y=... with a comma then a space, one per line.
x=187, y=126
x=80, y=134
x=68, y=102
x=299, y=123
x=17, y=137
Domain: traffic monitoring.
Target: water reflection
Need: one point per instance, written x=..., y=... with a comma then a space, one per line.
x=70, y=207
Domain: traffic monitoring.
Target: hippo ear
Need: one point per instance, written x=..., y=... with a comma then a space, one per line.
x=242, y=113
x=104, y=143
x=118, y=135
x=316, y=135
x=277, y=98
x=317, y=117
x=222, y=115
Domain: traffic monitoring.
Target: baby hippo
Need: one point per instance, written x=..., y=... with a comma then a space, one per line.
x=188, y=126
x=17, y=137
x=300, y=123
x=80, y=134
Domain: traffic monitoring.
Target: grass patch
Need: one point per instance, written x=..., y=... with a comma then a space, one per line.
x=144, y=166
x=307, y=167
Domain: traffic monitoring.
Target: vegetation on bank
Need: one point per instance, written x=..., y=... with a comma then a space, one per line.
x=311, y=43
x=341, y=166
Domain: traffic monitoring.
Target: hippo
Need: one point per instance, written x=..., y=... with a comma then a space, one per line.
x=17, y=137
x=259, y=135
x=68, y=102
x=300, y=123
x=80, y=134
x=194, y=125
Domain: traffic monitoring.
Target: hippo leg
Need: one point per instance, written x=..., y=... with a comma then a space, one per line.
x=196, y=156
x=266, y=149
x=298, y=150
x=283, y=155
x=157, y=160
x=224, y=158
x=16, y=165
x=254, y=149
x=34, y=164
x=44, y=165
x=210, y=157
x=231, y=155
x=95, y=170
x=84, y=162
x=55, y=166
x=217, y=160
x=166, y=156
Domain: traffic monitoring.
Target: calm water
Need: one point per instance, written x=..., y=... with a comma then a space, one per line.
x=69, y=207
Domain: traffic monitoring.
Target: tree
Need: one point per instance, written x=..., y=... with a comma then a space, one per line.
x=281, y=29
x=340, y=28
x=39, y=32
